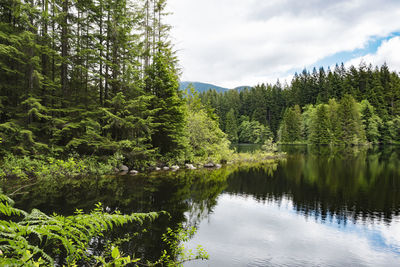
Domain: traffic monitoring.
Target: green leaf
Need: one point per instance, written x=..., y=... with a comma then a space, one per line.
x=115, y=253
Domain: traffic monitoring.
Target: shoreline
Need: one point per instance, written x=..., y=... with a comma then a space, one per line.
x=27, y=168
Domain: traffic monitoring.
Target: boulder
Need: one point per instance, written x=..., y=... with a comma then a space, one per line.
x=123, y=168
x=218, y=166
x=157, y=169
x=190, y=166
x=209, y=165
x=165, y=168
x=133, y=172
x=175, y=167
x=123, y=173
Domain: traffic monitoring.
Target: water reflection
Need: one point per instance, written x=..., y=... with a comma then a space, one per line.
x=316, y=202
x=175, y=193
x=245, y=232
x=322, y=206
x=349, y=184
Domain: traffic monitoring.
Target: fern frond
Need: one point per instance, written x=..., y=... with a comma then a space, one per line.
x=23, y=241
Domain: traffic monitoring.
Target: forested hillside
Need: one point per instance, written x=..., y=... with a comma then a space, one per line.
x=202, y=87
x=353, y=106
x=90, y=77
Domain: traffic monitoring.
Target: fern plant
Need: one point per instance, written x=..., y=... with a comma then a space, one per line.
x=178, y=254
x=33, y=239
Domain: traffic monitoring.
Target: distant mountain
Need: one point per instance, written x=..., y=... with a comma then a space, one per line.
x=201, y=87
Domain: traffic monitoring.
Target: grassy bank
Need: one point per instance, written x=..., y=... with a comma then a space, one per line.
x=46, y=167
x=74, y=166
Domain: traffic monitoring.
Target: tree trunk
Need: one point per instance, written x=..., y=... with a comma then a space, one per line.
x=64, y=49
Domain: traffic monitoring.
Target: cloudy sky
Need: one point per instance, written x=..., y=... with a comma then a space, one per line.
x=245, y=42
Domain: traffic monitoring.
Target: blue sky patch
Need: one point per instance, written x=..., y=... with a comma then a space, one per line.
x=342, y=57
x=370, y=48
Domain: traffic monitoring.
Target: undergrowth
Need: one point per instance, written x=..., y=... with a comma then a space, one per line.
x=38, y=239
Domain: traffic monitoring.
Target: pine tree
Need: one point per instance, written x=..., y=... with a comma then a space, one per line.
x=291, y=125
x=375, y=95
x=231, y=126
x=393, y=129
x=371, y=122
x=335, y=128
x=306, y=120
x=319, y=130
x=170, y=116
x=350, y=121
x=392, y=96
x=73, y=78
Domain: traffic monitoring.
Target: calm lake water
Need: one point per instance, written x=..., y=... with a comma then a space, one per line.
x=319, y=207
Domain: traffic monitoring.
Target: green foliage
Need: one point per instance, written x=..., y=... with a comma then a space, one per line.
x=331, y=124
x=262, y=103
x=231, y=127
x=334, y=122
x=350, y=121
x=270, y=104
x=205, y=138
x=52, y=168
x=116, y=259
x=93, y=77
x=372, y=123
x=320, y=133
x=179, y=254
x=393, y=127
x=253, y=132
x=290, y=129
x=145, y=192
x=35, y=238
x=19, y=140
x=269, y=146
x=162, y=81
x=306, y=119
x=266, y=157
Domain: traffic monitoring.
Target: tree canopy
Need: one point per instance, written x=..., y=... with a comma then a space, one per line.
x=335, y=106
x=92, y=77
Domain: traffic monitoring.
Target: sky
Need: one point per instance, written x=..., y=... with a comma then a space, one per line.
x=246, y=42
x=243, y=231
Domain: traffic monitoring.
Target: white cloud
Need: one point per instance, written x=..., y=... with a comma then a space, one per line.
x=236, y=42
x=388, y=52
x=244, y=232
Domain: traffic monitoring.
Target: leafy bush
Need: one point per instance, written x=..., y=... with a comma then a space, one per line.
x=206, y=140
x=43, y=167
x=253, y=132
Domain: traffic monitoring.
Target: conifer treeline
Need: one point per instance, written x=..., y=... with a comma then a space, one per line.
x=92, y=76
x=337, y=106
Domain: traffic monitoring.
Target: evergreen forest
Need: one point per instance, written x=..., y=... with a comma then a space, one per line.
x=101, y=77
x=95, y=77
x=90, y=95
x=340, y=106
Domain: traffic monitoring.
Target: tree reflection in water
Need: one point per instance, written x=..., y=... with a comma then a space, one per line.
x=342, y=184
x=355, y=183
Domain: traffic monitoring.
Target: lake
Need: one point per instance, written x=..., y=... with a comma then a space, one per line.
x=319, y=207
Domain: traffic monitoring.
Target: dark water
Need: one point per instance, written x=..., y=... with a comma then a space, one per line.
x=317, y=209
x=320, y=207
x=244, y=148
